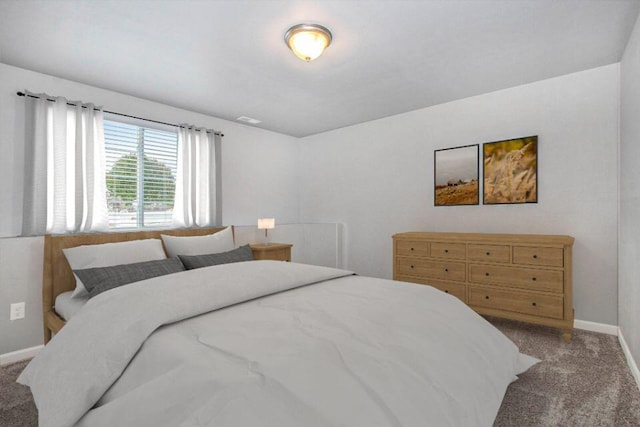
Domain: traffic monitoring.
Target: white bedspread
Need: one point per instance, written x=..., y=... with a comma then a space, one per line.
x=347, y=350
x=66, y=306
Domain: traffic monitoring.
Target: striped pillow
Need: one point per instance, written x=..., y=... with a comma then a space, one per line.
x=243, y=253
x=100, y=279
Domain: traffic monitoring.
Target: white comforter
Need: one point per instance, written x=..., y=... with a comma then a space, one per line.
x=248, y=344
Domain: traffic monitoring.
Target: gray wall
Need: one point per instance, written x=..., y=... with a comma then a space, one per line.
x=377, y=177
x=629, y=245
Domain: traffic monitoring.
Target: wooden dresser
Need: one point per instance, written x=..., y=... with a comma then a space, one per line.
x=523, y=277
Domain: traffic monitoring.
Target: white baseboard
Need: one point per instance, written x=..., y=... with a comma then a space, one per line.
x=602, y=328
x=630, y=360
x=19, y=355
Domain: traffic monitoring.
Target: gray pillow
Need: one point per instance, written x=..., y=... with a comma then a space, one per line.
x=100, y=279
x=243, y=253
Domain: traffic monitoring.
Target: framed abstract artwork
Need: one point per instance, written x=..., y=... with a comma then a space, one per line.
x=510, y=170
x=456, y=174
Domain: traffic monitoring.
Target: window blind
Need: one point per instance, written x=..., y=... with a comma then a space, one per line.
x=141, y=165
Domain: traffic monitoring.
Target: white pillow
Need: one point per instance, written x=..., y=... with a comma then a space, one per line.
x=222, y=241
x=109, y=254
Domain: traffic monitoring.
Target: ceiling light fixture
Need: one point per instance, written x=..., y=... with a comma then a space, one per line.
x=308, y=41
x=248, y=120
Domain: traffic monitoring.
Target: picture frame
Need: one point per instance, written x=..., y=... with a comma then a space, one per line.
x=510, y=171
x=456, y=174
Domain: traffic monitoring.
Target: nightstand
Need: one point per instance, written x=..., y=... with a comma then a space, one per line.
x=272, y=251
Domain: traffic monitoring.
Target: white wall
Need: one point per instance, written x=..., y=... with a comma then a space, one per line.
x=21, y=280
x=629, y=246
x=258, y=166
x=377, y=177
x=317, y=244
x=258, y=171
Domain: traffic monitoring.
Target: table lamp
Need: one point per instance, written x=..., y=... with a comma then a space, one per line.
x=266, y=224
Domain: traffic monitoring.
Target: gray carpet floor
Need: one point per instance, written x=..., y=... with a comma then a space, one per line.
x=16, y=405
x=584, y=383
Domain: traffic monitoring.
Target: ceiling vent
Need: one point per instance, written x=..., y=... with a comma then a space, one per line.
x=248, y=120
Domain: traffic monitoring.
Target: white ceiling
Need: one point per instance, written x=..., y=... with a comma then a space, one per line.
x=228, y=59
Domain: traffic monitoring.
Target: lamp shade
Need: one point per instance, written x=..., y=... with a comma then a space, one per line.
x=266, y=223
x=308, y=41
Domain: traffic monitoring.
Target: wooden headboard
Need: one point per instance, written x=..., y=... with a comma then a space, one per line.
x=57, y=274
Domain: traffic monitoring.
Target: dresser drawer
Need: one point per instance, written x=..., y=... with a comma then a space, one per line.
x=552, y=257
x=490, y=253
x=458, y=290
x=412, y=248
x=449, y=250
x=520, y=302
x=513, y=277
x=431, y=269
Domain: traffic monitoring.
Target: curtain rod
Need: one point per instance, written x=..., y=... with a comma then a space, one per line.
x=118, y=114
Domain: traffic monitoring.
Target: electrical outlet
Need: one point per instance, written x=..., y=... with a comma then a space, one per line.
x=17, y=311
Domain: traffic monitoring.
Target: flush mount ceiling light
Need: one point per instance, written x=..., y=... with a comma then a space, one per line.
x=248, y=120
x=307, y=41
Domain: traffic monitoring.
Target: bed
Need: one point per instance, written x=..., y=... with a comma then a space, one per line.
x=265, y=343
x=57, y=275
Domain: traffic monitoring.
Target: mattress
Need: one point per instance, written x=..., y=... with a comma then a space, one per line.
x=67, y=307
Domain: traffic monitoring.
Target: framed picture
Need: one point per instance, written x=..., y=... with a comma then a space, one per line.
x=456, y=176
x=510, y=171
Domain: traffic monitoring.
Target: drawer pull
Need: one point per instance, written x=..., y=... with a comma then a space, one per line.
x=411, y=248
x=446, y=251
x=446, y=291
x=486, y=297
x=534, y=279
x=488, y=253
x=411, y=266
x=486, y=274
x=446, y=270
x=535, y=256
x=533, y=304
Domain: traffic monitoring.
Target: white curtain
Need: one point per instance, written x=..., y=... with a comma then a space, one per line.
x=64, y=182
x=197, y=184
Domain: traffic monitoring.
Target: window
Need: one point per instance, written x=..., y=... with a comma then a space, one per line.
x=141, y=166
